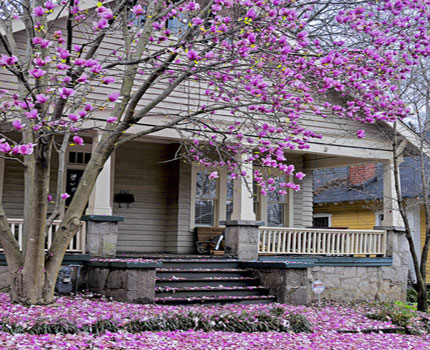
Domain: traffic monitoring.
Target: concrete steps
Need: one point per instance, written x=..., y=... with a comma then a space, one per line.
x=207, y=281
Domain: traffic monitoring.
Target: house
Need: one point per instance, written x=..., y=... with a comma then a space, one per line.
x=145, y=201
x=351, y=197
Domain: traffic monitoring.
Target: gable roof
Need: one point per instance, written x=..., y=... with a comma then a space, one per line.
x=331, y=185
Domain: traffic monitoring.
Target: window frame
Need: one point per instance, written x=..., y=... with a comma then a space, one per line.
x=323, y=215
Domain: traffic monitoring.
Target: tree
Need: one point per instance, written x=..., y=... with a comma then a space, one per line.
x=247, y=70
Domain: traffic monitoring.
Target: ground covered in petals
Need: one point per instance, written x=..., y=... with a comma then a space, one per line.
x=333, y=327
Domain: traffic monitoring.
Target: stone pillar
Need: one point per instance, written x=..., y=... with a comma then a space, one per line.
x=243, y=199
x=100, y=202
x=392, y=217
x=102, y=234
x=241, y=239
x=394, y=278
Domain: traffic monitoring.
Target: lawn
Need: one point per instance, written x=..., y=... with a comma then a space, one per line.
x=88, y=323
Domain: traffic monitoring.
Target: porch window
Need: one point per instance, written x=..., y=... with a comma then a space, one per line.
x=205, y=199
x=276, y=205
x=229, y=201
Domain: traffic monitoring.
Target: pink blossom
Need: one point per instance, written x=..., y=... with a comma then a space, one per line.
x=108, y=80
x=41, y=98
x=78, y=140
x=37, y=73
x=25, y=149
x=111, y=119
x=4, y=146
x=8, y=60
x=65, y=93
x=213, y=175
x=101, y=24
x=361, y=134
x=138, y=10
x=196, y=21
x=114, y=96
x=73, y=117
x=192, y=55
x=300, y=175
x=83, y=78
x=88, y=107
x=50, y=5
x=39, y=11
x=17, y=124
x=33, y=114
x=65, y=195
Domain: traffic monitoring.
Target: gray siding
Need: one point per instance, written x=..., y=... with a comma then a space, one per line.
x=139, y=170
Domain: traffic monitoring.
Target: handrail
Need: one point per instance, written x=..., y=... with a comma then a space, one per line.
x=288, y=240
x=77, y=244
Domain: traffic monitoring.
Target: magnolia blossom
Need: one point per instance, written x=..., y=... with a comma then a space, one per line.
x=112, y=120
x=78, y=140
x=65, y=195
x=65, y=93
x=17, y=124
x=113, y=97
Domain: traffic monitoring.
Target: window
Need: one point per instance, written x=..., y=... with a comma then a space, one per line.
x=81, y=158
x=205, y=199
x=276, y=205
x=321, y=220
x=229, y=201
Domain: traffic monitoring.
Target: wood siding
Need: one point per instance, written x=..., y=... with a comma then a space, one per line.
x=349, y=215
x=139, y=169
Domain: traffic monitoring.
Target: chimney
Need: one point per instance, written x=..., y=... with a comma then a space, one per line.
x=359, y=174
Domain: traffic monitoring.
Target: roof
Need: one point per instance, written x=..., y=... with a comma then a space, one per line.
x=331, y=185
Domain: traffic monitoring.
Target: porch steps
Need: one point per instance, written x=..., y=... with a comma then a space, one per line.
x=207, y=281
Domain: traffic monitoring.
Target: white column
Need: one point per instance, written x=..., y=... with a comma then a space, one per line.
x=101, y=197
x=2, y=161
x=243, y=200
x=392, y=215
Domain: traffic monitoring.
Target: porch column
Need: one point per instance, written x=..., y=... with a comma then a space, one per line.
x=2, y=161
x=243, y=200
x=392, y=215
x=101, y=197
x=241, y=232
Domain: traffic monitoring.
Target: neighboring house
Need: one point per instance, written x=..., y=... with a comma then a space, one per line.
x=352, y=198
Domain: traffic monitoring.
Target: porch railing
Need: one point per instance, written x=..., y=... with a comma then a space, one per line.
x=285, y=240
x=77, y=244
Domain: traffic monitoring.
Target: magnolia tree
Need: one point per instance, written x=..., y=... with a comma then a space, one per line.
x=247, y=71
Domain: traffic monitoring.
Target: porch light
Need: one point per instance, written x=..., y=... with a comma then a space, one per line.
x=123, y=197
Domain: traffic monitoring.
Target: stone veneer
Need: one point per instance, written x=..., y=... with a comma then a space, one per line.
x=345, y=278
x=123, y=281
x=102, y=234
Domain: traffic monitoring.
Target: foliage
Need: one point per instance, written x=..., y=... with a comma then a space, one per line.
x=224, y=322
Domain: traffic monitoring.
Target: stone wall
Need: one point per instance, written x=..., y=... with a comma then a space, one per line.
x=290, y=286
x=134, y=285
x=4, y=279
x=361, y=283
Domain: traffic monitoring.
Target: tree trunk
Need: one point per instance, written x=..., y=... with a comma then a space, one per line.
x=28, y=282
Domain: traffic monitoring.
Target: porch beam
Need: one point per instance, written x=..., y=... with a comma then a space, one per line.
x=2, y=166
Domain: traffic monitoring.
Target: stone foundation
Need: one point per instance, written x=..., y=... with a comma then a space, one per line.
x=4, y=280
x=290, y=286
x=348, y=283
x=133, y=283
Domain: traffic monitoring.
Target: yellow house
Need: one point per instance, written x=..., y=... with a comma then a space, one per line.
x=352, y=198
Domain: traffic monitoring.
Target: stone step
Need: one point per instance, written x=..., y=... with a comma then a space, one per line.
x=199, y=263
x=263, y=299
x=207, y=281
x=198, y=273
x=188, y=292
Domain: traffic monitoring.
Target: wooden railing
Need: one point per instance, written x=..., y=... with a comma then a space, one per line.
x=77, y=244
x=285, y=240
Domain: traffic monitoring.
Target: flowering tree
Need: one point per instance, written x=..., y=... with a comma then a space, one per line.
x=247, y=71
